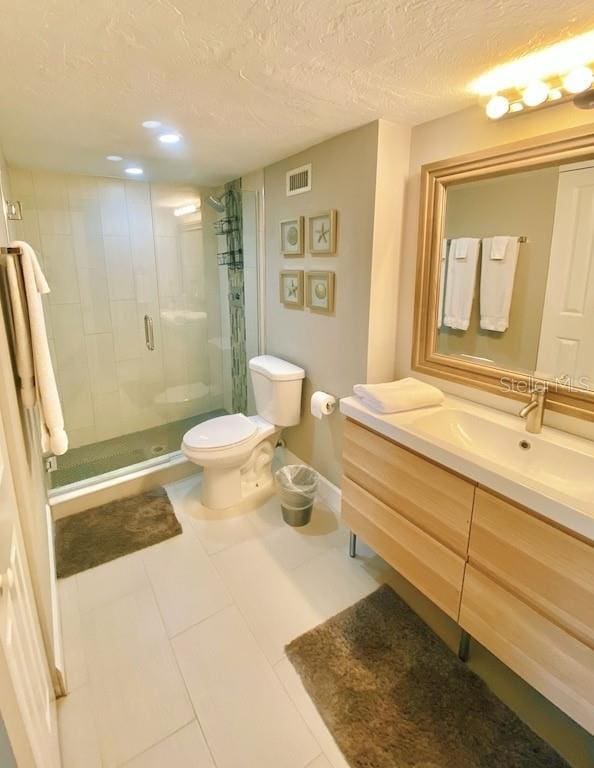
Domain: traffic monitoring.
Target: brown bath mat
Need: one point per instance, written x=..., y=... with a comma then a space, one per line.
x=112, y=530
x=394, y=696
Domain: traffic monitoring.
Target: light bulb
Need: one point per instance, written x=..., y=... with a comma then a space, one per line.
x=578, y=80
x=497, y=107
x=535, y=94
x=169, y=138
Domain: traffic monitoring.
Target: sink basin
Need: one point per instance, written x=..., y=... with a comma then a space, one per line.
x=513, y=450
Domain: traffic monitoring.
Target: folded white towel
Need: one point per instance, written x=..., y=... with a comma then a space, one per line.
x=402, y=395
x=460, y=282
x=26, y=283
x=498, y=271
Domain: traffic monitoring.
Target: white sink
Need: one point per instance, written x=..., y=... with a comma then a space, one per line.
x=551, y=473
x=558, y=467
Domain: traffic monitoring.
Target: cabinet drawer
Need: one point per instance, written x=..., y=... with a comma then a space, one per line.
x=431, y=497
x=434, y=569
x=551, y=660
x=546, y=567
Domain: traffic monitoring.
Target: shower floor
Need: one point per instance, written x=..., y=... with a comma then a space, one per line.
x=122, y=451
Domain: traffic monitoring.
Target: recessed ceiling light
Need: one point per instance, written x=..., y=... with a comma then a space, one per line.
x=114, y=158
x=169, y=138
x=184, y=209
x=151, y=124
x=134, y=171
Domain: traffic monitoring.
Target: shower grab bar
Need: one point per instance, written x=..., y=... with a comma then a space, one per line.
x=149, y=336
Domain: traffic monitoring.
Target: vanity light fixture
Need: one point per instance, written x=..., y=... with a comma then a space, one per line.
x=540, y=79
x=183, y=210
x=134, y=171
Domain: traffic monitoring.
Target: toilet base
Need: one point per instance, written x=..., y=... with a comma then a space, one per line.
x=224, y=487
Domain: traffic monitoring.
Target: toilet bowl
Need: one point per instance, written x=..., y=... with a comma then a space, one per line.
x=236, y=451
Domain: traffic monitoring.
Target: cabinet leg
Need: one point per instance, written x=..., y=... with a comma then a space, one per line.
x=464, y=646
x=352, y=544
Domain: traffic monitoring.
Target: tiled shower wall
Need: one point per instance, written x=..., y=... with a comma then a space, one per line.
x=113, y=251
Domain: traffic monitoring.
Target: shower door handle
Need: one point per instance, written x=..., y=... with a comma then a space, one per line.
x=149, y=336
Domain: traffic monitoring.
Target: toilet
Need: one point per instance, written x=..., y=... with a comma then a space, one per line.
x=236, y=451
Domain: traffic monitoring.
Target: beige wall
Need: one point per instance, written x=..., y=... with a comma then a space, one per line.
x=523, y=204
x=362, y=175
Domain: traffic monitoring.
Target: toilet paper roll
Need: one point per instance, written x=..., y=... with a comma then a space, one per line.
x=322, y=404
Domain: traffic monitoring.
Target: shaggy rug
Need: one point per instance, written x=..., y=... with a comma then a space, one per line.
x=112, y=530
x=394, y=696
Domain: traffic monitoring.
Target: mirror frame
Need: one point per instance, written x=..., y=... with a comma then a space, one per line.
x=565, y=146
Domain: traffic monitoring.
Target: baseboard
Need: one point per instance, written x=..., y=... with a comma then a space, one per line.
x=329, y=493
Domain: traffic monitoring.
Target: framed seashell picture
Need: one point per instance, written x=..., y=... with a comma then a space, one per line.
x=319, y=292
x=291, y=232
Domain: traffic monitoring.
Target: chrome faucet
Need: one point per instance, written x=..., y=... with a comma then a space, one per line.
x=533, y=411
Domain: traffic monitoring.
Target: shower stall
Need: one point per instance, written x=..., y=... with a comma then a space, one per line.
x=152, y=315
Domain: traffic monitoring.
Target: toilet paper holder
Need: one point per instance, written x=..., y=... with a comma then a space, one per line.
x=322, y=404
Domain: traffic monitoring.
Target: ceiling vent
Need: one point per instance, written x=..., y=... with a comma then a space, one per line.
x=299, y=180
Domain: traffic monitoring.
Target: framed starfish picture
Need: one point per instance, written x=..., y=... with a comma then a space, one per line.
x=291, y=288
x=322, y=233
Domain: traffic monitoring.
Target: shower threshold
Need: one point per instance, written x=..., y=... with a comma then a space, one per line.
x=154, y=445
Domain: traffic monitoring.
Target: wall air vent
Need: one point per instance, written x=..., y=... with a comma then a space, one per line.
x=299, y=180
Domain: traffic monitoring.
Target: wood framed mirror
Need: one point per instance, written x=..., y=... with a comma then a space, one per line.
x=505, y=270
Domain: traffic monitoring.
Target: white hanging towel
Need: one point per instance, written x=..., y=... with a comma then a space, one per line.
x=402, y=395
x=498, y=272
x=460, y=282
x=26, y=284
x=442, y=280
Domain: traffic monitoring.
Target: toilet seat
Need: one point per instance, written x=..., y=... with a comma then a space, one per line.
x=220, y=432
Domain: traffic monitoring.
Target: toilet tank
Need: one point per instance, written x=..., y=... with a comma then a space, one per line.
x=277, y=389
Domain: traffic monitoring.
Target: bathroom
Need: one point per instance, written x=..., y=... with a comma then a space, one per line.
x=233, y=219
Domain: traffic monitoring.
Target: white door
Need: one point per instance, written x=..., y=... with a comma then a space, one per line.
x=27, y=704
x=566, y=346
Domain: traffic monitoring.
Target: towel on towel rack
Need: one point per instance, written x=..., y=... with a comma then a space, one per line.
x=498, y=272
x=37, y=382
x=460, y=282
x=402, y=395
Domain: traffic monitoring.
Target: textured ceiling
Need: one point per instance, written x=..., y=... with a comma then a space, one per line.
x=246, y=82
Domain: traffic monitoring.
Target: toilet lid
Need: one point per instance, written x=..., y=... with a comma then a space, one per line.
x=220, y=432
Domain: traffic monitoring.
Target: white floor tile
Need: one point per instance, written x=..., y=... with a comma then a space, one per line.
x=321, y=761
x=107, y=582
x=72, y=638
x=79, y=744
x=186, y=584
x=184, y=749
x=139, y=708
x=280, y=605
x=247, y=717
x=128, y=631
x=307, y=709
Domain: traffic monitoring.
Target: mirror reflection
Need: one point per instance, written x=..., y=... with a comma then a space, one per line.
x=516, y=285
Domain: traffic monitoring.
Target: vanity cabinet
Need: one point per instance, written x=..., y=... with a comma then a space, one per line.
x=519, y=584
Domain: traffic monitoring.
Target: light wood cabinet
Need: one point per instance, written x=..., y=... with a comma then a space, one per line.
x=433, y=498
x=434, y=569
x=520, y=585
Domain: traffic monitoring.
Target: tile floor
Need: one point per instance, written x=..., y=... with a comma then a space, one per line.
x=175, y=654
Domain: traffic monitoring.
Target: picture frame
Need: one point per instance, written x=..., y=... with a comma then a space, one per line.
x=291, y=288
x=320, y=292
x=291, y=233
x=322, y=231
